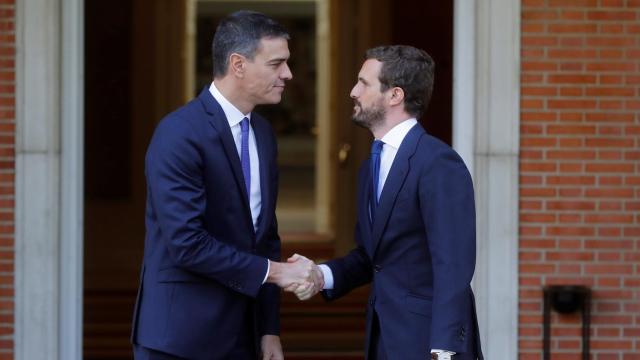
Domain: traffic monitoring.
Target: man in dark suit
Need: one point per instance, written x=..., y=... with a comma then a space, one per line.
x=415, y=233
x=210, y=271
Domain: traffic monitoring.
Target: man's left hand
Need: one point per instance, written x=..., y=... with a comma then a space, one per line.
x=271, y=348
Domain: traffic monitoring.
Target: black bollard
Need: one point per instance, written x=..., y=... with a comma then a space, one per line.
x=566, y=299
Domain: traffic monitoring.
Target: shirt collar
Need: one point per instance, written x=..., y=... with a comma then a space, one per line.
x=395, y=136
x=234, y=116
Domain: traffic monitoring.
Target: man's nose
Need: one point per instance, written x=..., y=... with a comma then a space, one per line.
x=353, y=92
x=286, y=74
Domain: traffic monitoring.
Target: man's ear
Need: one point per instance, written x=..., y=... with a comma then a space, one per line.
x=237, y=64
x=397, y=96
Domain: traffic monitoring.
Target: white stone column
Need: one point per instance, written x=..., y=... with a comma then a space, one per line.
x=37, y=179
x=464, y=80
x=486, y=115
x=48, y=247
x=496, y=148
x=72, y=181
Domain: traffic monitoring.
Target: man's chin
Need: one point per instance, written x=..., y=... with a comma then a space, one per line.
x=272, y=100
x=360, y=122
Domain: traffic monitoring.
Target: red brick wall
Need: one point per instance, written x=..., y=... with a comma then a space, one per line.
x=7, y=171
x=579, y=172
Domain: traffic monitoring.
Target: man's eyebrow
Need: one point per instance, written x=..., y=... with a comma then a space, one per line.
x=277, y=60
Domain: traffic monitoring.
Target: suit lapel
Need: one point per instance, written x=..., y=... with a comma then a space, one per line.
x=364, y=218
x=393, y=184
x=263, y=148
x=219, y=121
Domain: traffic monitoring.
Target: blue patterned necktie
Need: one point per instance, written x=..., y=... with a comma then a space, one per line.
x=245, y=162
x=376, y=149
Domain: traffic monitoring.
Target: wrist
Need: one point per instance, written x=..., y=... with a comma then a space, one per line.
x=320, y=277
x=275, y=269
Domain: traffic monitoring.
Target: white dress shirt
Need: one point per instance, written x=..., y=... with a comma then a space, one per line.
x=392, y=140
x=234, y=117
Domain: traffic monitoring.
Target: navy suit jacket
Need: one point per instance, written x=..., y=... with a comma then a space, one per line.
x=419, y=254
x=201, y=285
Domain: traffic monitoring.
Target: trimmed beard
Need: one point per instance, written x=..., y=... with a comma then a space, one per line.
x=370, y=118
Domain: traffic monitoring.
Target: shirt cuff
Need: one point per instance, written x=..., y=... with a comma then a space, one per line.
x=328, y=276
x=444, y=352
x=267, y=274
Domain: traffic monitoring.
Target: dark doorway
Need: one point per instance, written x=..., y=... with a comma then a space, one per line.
x=113, y=218
x=124, y=62
x=428, y=25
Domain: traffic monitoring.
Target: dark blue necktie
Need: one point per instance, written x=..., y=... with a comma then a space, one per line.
x=376, y=149
x=245, y=162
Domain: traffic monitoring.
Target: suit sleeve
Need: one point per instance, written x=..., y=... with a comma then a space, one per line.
x=269, y=297
x=448, y=212
x=177, y=192
x=349, y=272
x=354, y=269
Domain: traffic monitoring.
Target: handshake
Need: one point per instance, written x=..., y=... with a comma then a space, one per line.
x=298, y=275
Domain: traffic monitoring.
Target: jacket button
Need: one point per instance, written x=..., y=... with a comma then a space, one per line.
x=377, y=268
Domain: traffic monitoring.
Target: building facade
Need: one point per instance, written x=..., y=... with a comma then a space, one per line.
x=545, y=111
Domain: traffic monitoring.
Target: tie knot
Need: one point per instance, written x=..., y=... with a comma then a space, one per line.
x=376, y=147
x=244, y=124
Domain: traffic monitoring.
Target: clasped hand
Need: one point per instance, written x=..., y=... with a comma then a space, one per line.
x=305, y=279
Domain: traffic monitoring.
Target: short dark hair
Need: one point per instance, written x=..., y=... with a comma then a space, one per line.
x=408, y=68
x=241, y=32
